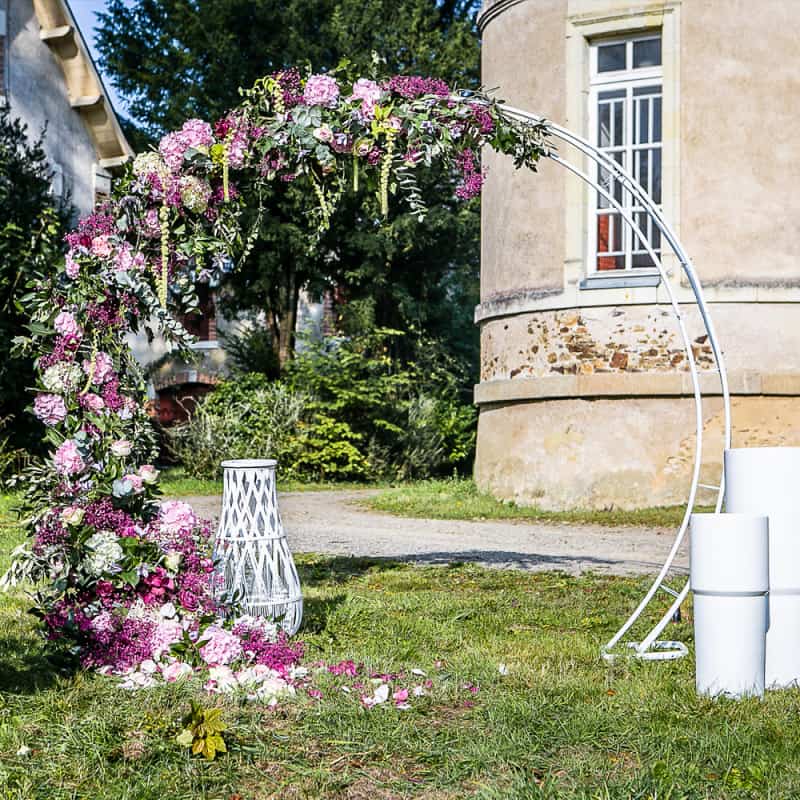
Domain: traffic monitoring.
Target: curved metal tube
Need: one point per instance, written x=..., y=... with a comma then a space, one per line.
x=650, y=648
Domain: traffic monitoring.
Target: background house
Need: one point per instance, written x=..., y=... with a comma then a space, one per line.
x=582, y=394
x=48, y=78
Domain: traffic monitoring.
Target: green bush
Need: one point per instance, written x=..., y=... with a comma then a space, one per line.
x=347, y=408
x=246, y=418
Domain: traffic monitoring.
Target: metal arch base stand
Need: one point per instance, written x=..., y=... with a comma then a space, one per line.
x=651, y=648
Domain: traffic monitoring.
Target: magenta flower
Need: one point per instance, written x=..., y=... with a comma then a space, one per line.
x=92, y=402
x=50, y=408
x=321, y=90
x=68, y=459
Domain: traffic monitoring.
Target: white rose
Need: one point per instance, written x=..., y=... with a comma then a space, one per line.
x=172, y=560
x=72, y=515
x=120, y=448
x=148, y=473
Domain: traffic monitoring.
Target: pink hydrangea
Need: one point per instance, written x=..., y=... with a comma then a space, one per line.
x=222, y=647
x=50, y=408
x=103, y=368
x=66, y=324
x=68, y=459
x=73, y=268
x=321, y=90
x=196, y=133
x=177, y=516
x=172, y=148
x=368, y=92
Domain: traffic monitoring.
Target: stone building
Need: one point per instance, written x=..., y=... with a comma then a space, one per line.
x=584, y=394
x=49, y=80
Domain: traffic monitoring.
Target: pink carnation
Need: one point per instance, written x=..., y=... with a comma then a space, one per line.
x=175, y=671
x=222, y=647
x=321, y=90
x=92, y=402
x=50, y=408
x=177, y=516
x=164, y=636
x=66, y=324
x=135, y=481
x=68, y=459
x=101, y=246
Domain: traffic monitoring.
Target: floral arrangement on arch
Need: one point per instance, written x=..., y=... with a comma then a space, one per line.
x=128, y=582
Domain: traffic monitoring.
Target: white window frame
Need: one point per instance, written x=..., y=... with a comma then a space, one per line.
x=623, y=80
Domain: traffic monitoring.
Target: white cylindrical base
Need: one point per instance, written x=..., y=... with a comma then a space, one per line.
x=764, y=480
x=729, y=641
x=729, y=558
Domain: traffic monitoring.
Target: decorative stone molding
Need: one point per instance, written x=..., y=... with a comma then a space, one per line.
x=87, y=95
x=632, y=384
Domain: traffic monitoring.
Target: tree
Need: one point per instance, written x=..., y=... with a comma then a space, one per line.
x=31, y=227
x=174, y=59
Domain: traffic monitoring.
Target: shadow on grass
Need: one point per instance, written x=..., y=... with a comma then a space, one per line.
x=27, y=668
x=315, y=570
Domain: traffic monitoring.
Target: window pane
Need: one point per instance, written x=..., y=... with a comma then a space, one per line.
x=647, y=53
x=656, y=119
x=609, y=236
x=604, y=125
x=619, y=123
x=611, y=57
x=656, y=190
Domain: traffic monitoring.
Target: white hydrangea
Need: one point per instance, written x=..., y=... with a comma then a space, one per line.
x=62, y=377
x=150, y=163
x=105, y=552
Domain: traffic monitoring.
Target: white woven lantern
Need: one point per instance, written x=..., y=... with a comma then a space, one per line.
x=251, y=548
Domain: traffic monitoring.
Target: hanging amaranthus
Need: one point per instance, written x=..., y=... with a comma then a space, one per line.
x=163, y=283
x=386, y=171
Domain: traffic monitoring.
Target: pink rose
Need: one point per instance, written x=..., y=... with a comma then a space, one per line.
x=321, y=90
x=68, y=459
x=121, y=448
x=148, y=473
x=50, y=408
x=66, y=324
x=101, y=246
x=135, y=481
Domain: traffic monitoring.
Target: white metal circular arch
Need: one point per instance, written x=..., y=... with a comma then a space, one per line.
x=650, y=647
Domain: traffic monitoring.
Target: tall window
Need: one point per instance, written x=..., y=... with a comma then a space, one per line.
x=625, y=119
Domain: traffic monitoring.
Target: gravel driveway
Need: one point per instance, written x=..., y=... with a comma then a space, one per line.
x=332, y=522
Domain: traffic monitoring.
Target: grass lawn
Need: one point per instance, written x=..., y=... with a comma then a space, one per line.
x=459, y=498
x=560, y=724
x=176, y=483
